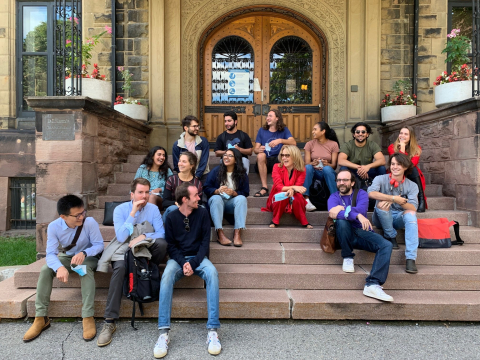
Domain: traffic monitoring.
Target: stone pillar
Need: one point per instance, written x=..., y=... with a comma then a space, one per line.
x=5, y=205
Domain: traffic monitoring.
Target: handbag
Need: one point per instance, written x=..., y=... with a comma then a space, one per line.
x=108, y=213
x=435, y=233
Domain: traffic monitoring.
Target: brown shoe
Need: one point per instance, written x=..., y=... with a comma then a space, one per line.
x=222, y=239
x=237, y=240
x=41, y=323
x=89, y=328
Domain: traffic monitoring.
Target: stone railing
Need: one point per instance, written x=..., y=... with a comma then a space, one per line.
x=79, y=144
x=449, y=138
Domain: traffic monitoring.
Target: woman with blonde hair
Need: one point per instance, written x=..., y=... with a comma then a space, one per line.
x=287, y=190
x=406, y=143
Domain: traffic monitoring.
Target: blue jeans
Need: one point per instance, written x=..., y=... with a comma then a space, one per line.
x=372, y=173
x=392, y=220
x=352, y=238
x=174, y=272
x=328, y=173
x=236, y=206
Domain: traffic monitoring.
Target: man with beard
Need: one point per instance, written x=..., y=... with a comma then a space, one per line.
x=354, y=231
x=191, y=141
x=362, y=156
x=234, y=138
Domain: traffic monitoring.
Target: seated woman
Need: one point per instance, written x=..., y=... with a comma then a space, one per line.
x=288, y=177
x=155, y=168
x=406, y=143
x=321, y=155
x=187, y=163
x=227, y=188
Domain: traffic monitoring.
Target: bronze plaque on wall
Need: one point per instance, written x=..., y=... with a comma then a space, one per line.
x=58, y=127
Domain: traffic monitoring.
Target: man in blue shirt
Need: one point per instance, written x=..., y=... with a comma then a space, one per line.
x=125, y=217
x=354, y=231
x=61, y=255
x=270, y=139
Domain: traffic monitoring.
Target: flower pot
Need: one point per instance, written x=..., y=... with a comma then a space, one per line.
x=398, y=112
x=95, y=89
x=135, y=111
x=453, y=92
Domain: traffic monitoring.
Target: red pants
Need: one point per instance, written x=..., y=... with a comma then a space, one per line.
x=298, y=208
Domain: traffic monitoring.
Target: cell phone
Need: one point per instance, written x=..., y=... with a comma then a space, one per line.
x=405, y=196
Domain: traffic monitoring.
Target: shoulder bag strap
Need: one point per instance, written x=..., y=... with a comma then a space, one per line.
x=354, y=200
x=456, y=229
x=77, y=235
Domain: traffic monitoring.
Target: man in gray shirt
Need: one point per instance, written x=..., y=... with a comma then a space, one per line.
x=396, y=206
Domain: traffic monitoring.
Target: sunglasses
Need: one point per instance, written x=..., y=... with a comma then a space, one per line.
x=187, y=226
x=78, y=216
x=285, y=155
x=360, y=132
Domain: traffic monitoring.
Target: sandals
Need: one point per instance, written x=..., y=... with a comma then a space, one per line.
x=259, y=194
x=307, y=226
x=274, y=225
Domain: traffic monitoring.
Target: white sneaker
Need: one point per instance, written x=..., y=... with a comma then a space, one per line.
x=214, y=346
x=310, y=206
x=376, y=292
x=161, y=346
x=348, y=265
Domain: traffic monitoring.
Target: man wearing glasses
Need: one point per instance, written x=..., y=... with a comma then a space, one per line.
x=354, y=231
x=234, y=138
x=362, y=156
x=191, y=141
x=187, y=231
x=72, y=240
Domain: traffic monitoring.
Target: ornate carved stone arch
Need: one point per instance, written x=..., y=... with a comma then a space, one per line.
x=326, y=17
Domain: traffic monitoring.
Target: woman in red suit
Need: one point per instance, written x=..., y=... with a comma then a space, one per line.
x=288, y=177
x=406, y=143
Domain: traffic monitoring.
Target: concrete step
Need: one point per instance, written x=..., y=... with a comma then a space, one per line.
x=407, y=305
x=109, y=198
x=189, y=304
x=118, y=189
x=433, y=190
x=13, y=301
x=28, y=276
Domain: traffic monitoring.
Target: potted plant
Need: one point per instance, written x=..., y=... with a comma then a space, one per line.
x=401, y=106
x=455, y=87
x=126, y=105
x=94, y=85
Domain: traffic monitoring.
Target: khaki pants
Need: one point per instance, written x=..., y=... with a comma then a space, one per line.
x=45, y=280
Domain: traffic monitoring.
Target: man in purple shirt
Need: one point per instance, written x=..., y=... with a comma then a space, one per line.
x=354, y=231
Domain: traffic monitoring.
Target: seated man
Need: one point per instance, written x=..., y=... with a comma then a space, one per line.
x=396, y=206
x=270, y=139
x=232, y=137
x=191, y=141
x=187, y=232
x=72, y=239
x=354, y=231
x=127, y=218
x=362, y=156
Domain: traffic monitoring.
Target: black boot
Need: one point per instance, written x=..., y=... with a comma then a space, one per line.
x=393, y=241
x=421, y=196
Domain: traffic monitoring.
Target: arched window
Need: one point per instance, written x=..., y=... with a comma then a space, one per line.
x=291, y=71
x=232, y=60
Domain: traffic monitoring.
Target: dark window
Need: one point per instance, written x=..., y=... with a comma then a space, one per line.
x=291, y=71
x=23, y=214
x=232, y=59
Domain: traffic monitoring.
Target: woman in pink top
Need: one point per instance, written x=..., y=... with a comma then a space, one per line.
x=321, y=155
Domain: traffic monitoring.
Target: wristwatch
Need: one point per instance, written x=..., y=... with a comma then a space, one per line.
x=84, y=253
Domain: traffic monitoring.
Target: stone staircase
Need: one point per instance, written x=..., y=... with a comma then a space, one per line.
x=283, y=274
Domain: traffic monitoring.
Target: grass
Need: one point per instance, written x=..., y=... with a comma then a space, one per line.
x=17, y=250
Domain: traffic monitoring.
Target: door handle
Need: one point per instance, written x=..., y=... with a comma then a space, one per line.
x=265, y=109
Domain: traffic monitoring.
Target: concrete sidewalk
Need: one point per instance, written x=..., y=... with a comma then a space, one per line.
x=265, y=340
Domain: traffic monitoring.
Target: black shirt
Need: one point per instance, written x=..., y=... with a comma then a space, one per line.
x=237, y=138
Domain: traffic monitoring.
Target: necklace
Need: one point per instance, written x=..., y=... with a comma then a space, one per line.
x=343, y=202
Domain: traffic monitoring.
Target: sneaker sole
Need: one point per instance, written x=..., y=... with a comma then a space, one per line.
x=214, y=353
x=44, y=328
x=348, y=271
x=377, y=298
x=105, y=344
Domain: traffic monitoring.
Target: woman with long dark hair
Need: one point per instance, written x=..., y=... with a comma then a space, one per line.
x=321, y=155
x=156, y=169
x=227, y=188
x=406, y=143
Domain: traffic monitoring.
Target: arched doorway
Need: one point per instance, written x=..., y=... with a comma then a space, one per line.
x=260, y=61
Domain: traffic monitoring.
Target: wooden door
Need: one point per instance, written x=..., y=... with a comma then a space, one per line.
x=283, y=62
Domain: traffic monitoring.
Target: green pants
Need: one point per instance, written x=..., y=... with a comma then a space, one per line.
x=45, y=280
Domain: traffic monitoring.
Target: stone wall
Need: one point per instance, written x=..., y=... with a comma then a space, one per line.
x=7, y=64
x=103, y=139
x=449, y=138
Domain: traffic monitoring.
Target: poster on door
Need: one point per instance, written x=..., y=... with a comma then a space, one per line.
x=238, y=83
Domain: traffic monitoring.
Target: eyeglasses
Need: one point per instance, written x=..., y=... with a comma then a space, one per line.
x=360, y=132
x=285, y=155
x=187, y=226
x=78, y=216
x=228, y=155
x=195, y=126
x=343, y=180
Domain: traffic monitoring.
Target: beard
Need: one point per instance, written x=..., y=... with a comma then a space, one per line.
x=345, y=189
x=192, y=133
x=230, y=127
x=361, y=141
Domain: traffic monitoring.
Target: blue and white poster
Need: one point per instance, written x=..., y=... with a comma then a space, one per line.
x=238, y=82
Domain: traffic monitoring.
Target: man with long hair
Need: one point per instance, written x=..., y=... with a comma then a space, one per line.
x=270, y=139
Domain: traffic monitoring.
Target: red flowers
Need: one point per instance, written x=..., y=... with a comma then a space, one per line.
x=464, y=74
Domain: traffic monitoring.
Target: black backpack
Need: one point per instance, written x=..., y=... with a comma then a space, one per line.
x=319, y=194
x=141, y=283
